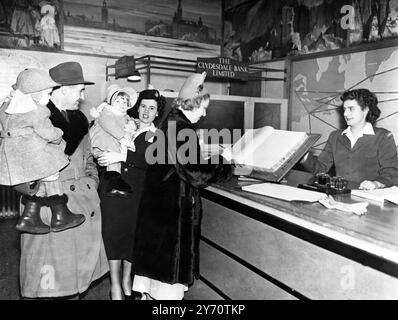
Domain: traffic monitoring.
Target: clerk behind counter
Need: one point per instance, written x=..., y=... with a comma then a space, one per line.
x=364, y=155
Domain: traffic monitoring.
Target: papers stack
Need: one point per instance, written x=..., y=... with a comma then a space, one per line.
x=284, y=192
x=379, y=195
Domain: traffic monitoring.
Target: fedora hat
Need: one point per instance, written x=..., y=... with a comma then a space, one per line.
x=33, y=80
x=68, y=74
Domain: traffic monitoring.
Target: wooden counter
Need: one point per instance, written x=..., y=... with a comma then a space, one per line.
x=256, y=247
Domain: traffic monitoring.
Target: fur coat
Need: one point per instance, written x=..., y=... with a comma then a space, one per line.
x=169, y=217
x=107, y=130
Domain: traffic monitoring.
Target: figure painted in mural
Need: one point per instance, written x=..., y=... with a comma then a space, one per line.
x=166, y=250
x=49, y=31
x=6, y=10
x=21, y=22
x=120, y=213
x=66, y=263
x=363, y=154
x=113, y=128
x=36, y=17
x=32, y=150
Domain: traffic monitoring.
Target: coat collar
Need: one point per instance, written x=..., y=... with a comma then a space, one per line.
x=367, y=135
x=150, y=128
x=181, y=115
x=73, y=123
x=367, y=129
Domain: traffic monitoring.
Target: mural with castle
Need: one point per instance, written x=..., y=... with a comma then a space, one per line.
x=124, y=16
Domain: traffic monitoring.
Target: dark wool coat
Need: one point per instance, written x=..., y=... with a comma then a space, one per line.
x=374, y=158
x=119, y=214
x=169, y=216
x=73, y=124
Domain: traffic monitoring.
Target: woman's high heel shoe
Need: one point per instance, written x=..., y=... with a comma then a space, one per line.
x=135, y=295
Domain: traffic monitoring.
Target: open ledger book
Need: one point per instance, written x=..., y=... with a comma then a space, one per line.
x=379, y=195
x=268, y=153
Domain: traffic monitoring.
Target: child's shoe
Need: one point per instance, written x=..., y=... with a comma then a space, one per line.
x=30, y=221
x=62, y=218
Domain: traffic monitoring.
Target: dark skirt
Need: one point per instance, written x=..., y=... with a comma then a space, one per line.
x=119, y=216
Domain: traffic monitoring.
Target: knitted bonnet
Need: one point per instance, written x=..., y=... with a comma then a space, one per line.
x=33, y=80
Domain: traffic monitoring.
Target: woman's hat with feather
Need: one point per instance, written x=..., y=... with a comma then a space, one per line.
x=191, y=86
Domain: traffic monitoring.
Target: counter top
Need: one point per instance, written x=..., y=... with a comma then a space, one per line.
x=373, y=236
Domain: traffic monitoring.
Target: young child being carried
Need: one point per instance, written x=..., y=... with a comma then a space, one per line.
x=113, y=129
x=32, y=150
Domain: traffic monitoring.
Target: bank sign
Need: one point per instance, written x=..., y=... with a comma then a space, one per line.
x=224, y=68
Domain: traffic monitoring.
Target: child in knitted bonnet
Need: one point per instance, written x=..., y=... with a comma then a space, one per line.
x=32, y=150
x=113, y=129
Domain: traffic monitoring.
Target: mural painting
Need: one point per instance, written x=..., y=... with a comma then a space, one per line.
x=32, y=24
x=158, y=27
x=260, y=30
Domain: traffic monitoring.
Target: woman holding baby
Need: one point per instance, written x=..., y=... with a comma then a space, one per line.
x=119, y=210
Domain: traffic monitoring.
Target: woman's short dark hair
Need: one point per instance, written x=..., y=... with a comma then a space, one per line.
x=365, y=99
x=192, y=103
x=151, y=94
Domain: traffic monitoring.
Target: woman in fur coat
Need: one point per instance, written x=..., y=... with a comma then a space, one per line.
x=166, y=251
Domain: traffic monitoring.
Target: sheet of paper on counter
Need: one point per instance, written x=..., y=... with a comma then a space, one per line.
x=284, y=192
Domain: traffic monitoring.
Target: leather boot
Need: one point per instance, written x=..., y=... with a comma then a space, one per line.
x=62, y=218
x=30, y=221
x=116, y=186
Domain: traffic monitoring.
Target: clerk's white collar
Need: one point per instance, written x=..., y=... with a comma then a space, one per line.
x=367, y=129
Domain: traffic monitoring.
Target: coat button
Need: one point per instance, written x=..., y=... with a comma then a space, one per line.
x=8, y=134
x=88, y=186
x=92, y=214
x=72, y=187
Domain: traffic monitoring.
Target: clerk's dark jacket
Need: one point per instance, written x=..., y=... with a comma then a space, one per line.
x=373, y=157
x=169, y=217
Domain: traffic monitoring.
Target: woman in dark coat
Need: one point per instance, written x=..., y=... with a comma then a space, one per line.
x=166, y=251
x=119, y=214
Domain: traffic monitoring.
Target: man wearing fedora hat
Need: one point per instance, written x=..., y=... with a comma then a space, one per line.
x=65, y=264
